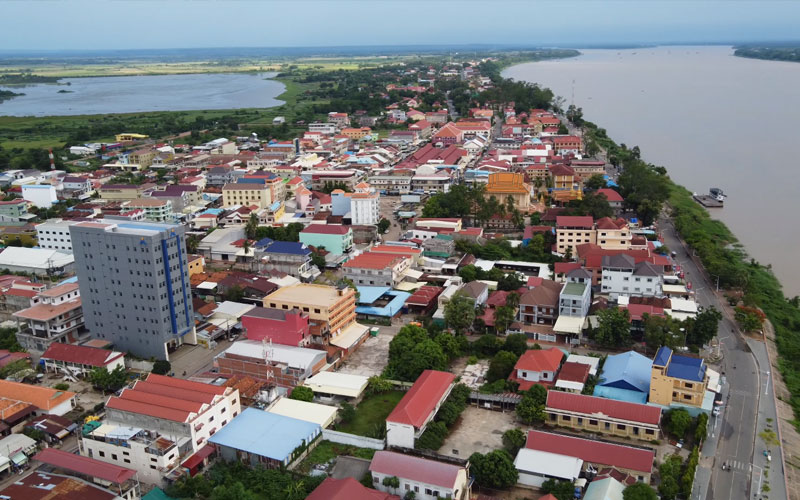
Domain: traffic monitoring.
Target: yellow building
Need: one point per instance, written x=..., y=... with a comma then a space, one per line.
x=247, y=195
x=356, y=133
x=197, y=264
x=677, y=379
x=501, y=185
x=131, y=137
x=142, y=157
x=613, y=234
x=121, y=192
x=331, y=310
x=603, y=416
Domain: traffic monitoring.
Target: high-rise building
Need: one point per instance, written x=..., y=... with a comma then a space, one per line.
x=134, y=281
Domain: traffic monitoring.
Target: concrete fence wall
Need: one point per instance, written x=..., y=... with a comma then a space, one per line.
x=138, y=365
x=353, y=440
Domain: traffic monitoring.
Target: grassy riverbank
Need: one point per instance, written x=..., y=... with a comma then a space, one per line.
x=789, y=54
x=723, y=257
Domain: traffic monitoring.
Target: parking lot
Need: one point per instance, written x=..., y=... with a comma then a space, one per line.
x=478, y=430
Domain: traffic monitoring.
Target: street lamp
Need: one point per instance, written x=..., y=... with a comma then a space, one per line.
x=714, y=275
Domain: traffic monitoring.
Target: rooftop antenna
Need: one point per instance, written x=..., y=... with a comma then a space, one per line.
x=52, y=159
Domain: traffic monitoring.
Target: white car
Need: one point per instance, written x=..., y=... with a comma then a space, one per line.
x=716, y=411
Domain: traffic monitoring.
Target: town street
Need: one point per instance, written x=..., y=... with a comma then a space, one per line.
x=732, y=438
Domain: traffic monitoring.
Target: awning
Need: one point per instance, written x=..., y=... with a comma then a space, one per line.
x=350, y=336
x=62, y=434
x=569, y=324
x=19, y=458
x=5, y=463
x=196, y=459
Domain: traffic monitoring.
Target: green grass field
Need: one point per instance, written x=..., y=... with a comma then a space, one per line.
x=371, y=413
x=327, y=451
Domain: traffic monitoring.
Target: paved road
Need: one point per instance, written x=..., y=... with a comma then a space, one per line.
x=733, y=434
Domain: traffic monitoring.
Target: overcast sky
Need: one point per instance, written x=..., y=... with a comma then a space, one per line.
x=138, y=24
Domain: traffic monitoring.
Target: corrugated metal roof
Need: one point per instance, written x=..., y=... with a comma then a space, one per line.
x=418, y=403
x=85, y=465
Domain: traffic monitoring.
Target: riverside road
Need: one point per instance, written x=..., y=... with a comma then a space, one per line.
x=732, y=435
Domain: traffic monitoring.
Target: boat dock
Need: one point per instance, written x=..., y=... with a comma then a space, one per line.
x=708, y=201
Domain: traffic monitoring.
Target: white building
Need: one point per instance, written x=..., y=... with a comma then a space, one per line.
x=426, y=479
x=535, y=467
x=159, y=423
x=38, y=261
x=54, y=234
x=41, y=195
x=365, y=208
x=323, y=128
x=622, y=276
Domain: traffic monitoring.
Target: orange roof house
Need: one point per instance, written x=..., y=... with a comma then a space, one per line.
x=537, y=366
x=47, y=400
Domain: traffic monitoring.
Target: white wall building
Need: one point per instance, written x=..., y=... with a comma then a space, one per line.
x=41, y=195
x=622, y=276
x=54, y=234
x=535, y=467
x=426, y=479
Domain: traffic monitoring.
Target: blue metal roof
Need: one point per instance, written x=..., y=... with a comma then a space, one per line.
x=264, y=242
x=628, y=370
x=686, y=368
x=620, y=394
x=213, y=211
x=252, y=180
x=662, y=356
x=288, y=247
x=265, y=434
x=369, y=294
x=389, y=310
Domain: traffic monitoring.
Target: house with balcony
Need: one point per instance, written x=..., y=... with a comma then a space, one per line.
x=159, y=422
x=377, y=269
x=623, y=276
x=537, y=366
x=57, y=317
x=538, y=308
x=290, y=257
x=156, y=210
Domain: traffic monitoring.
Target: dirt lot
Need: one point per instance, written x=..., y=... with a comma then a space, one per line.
x=478, y=430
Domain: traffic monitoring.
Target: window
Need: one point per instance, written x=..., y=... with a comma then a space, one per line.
x=113, y=456
x=621, y=427
x=649, y=432
x=687, y=396
x=566, y=418
x=592, y=422
x=607, y=425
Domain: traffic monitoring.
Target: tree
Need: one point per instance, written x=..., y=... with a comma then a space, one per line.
x=501, y=366
x=703, y=327
x=509, y=282
x=661, y=331
x=104, y=380
x=449, y=344
x=614, y=329
x=595, y=182
x=383, y=225
x=701, y=429
x=411, y=352
x=378, y=385
x=494, y=470
x=563, y=490
x=503, y=317
x=679, y=422
x=592, y=204
x=749, y=318
x=234, y=293
x=531, y=409
x=251, y=228
x=516, y=343
x=575, y=115
x=161, y=367
x=459, y=313
x=469, y=273
x=562, y=129
x=391, y=482
x=513, y=440
x=302, y=393
x=639, y=491
x=487, y=345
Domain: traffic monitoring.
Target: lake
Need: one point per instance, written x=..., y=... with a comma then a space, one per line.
x=712, y=119
x=129, y=94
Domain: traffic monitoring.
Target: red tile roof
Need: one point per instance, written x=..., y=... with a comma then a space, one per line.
x=637, y=311
x=418, y=403
x=424, y=295
x=416, y=469
x=173, y=392
x=579, y=403
x=540, y=360
x=595, y=452
x=325, y=229
x=372, y=260
x=79, y=354
x=583, y=221
x=574, y=372
x=610, y=195
x=85, y=465
x=347, y=489
x=148, y=409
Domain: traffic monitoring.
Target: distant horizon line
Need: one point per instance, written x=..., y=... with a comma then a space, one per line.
x=408, y=47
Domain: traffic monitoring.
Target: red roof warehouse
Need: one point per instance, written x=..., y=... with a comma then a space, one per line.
x=624, y=457
x=622, y=410
x=409, y=418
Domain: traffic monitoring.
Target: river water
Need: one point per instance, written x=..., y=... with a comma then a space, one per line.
x=714, y=120
x=129, y=94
